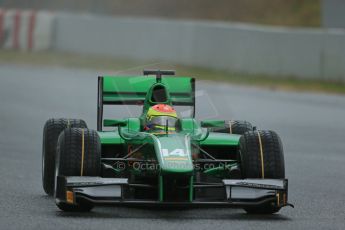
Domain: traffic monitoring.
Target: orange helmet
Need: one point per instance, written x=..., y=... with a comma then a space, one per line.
x=161, y=115
x=161, y=110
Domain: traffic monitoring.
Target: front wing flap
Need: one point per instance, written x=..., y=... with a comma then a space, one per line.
x=247, y=191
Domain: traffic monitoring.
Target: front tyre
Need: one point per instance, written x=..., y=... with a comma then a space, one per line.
x=78, y=154
x=261, y=156
x=51, y=132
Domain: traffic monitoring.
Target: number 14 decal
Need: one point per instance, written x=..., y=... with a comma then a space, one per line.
x=175, y=152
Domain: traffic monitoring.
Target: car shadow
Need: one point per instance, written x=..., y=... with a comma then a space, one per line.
x=171, y=214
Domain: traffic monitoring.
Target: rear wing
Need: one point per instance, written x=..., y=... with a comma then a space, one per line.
x=132, y=90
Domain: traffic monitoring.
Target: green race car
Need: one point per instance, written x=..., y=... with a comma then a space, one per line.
x=159, y=158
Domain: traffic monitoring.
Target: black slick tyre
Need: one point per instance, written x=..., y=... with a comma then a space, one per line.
x=261, y=156
x=78, y=154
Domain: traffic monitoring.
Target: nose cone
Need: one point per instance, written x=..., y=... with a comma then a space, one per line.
x=173, y=154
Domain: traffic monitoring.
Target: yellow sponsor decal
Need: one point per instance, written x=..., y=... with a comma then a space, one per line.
x=175, y=158
x=162, y=133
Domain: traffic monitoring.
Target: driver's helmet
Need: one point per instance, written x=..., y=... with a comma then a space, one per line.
x=161, y=117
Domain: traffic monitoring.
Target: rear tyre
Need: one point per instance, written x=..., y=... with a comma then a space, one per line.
x=261, y=156
x=234, y=127
x=51, y=132
x=78, y=154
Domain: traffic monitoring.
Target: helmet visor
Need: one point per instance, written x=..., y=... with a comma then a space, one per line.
x=163, y=122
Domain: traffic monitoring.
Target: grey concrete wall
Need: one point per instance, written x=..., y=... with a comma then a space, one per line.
x=333, y=13
x=306, y=53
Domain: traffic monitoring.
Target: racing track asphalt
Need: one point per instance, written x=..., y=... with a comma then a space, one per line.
x=312, y=127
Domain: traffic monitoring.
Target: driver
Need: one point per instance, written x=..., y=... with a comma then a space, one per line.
x=161, y=117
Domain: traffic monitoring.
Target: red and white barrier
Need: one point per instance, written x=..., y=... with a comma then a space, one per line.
x=26, y=29
x=42, y=35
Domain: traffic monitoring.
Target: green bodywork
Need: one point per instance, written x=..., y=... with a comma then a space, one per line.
x=174, y=152
x=181, y=140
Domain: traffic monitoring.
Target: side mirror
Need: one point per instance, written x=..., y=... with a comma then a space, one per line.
x=114, y=123
x=212, y=124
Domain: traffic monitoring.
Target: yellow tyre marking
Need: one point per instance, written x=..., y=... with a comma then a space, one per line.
x=230, y=127
x=82, y=152
x=261, y=156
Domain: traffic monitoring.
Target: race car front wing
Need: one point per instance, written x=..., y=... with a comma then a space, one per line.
x=238, y=193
